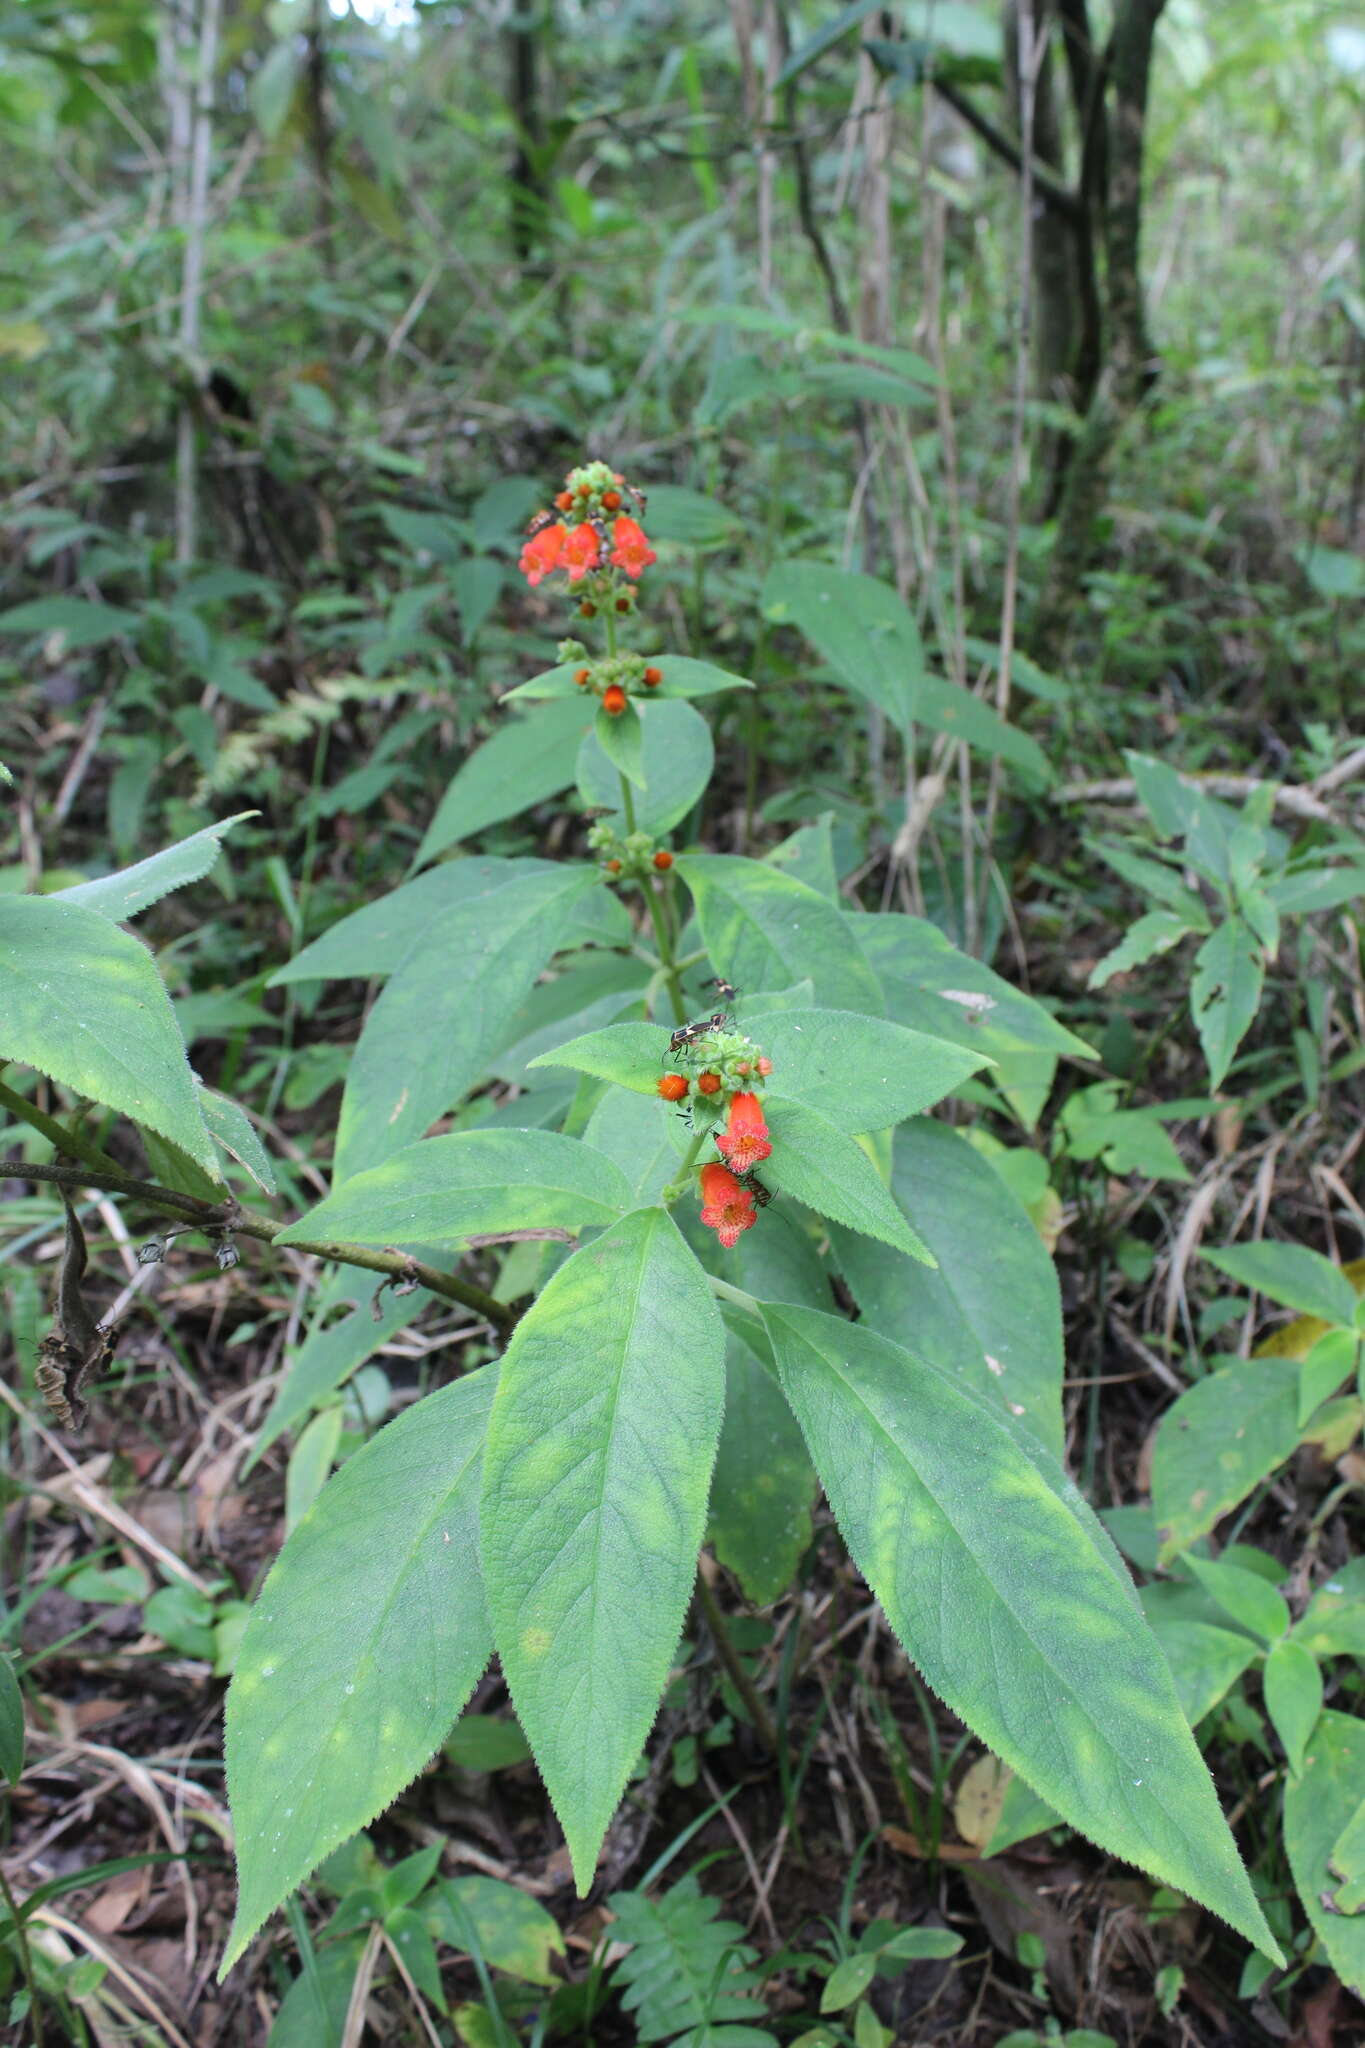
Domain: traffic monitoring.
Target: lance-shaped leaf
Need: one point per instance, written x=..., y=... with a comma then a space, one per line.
x=526, y=761
x=990, y=1312
x=599, y=1459
x=122, y=895
x=82, y=1001
x=1012, y=1602
x=764, y=929
x=1225, y=992
x=831, y=1173
x=470, y=1183
x=1220, y=1438
x=443, y=1013
x=366, y=1640
x=1292, y=1273
x=375, y=939
x=862, y=1073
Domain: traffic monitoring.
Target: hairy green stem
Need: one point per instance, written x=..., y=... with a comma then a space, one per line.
x=69, y=1141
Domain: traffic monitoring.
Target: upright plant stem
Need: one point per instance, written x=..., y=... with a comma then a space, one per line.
x=764, y=1725
x=25, y=1960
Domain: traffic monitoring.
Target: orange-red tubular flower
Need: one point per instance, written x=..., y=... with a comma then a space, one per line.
x=579, y=553
x=726, y=1207
x=745, y=1140
x=632, y=551
x=543, y=552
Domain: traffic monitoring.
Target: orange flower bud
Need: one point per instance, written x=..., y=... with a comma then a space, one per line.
x=585, y=490
x=611, y=501
x=709, y=1083
x=623, y=604
x=586, y=610
x=613, y=700
x=672, y=1087
x=652, y=678
x=564, y=500
x=613, y=867
x=765, y=1065
x=663, y=860
x=582, y=676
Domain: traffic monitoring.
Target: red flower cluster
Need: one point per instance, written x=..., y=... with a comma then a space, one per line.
x=579, y=550
x=727, y=1207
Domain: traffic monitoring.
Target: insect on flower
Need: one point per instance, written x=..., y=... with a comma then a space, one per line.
x=760, y=1190
x=688, y=1035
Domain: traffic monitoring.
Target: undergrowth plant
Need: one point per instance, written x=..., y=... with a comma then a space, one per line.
x=717, y=1104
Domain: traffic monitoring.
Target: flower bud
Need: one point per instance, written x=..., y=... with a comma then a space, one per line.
x=672, y=1087
x=709, y=1083
x=564, y=500
x=611, y=501
x=663, y=860
x=614, y=700
x=613, y=867
x=583, y=677
x=652, y=678
x=765, y=1065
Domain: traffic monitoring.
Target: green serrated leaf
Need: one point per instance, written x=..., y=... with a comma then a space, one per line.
x=82, y=1002
x=599, y=1457
x=122, y=895
x=367, y=1637
x=813, y=1160
x=446, y=1010
x=764, y=1485
x=990, y=1313
x=1145, y=940
x=765, y=930
x=862, y=1073
x=466, y=1184
x=932, y=986
x=233, y=1129
x=1012, y=1602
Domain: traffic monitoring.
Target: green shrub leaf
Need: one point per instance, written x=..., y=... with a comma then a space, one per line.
x=366, y=1640
x=1011, y=1602
x=1219, y=1439
x=82, y=1002
x=445, y=1011
x=599, y=1457
x=122, y=895
x=832, y=1174
x=466, y=1184
x=990, y=1313
x=1290, y=1273
x=862, y=1073
x=527, y=761
x=765, y=930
